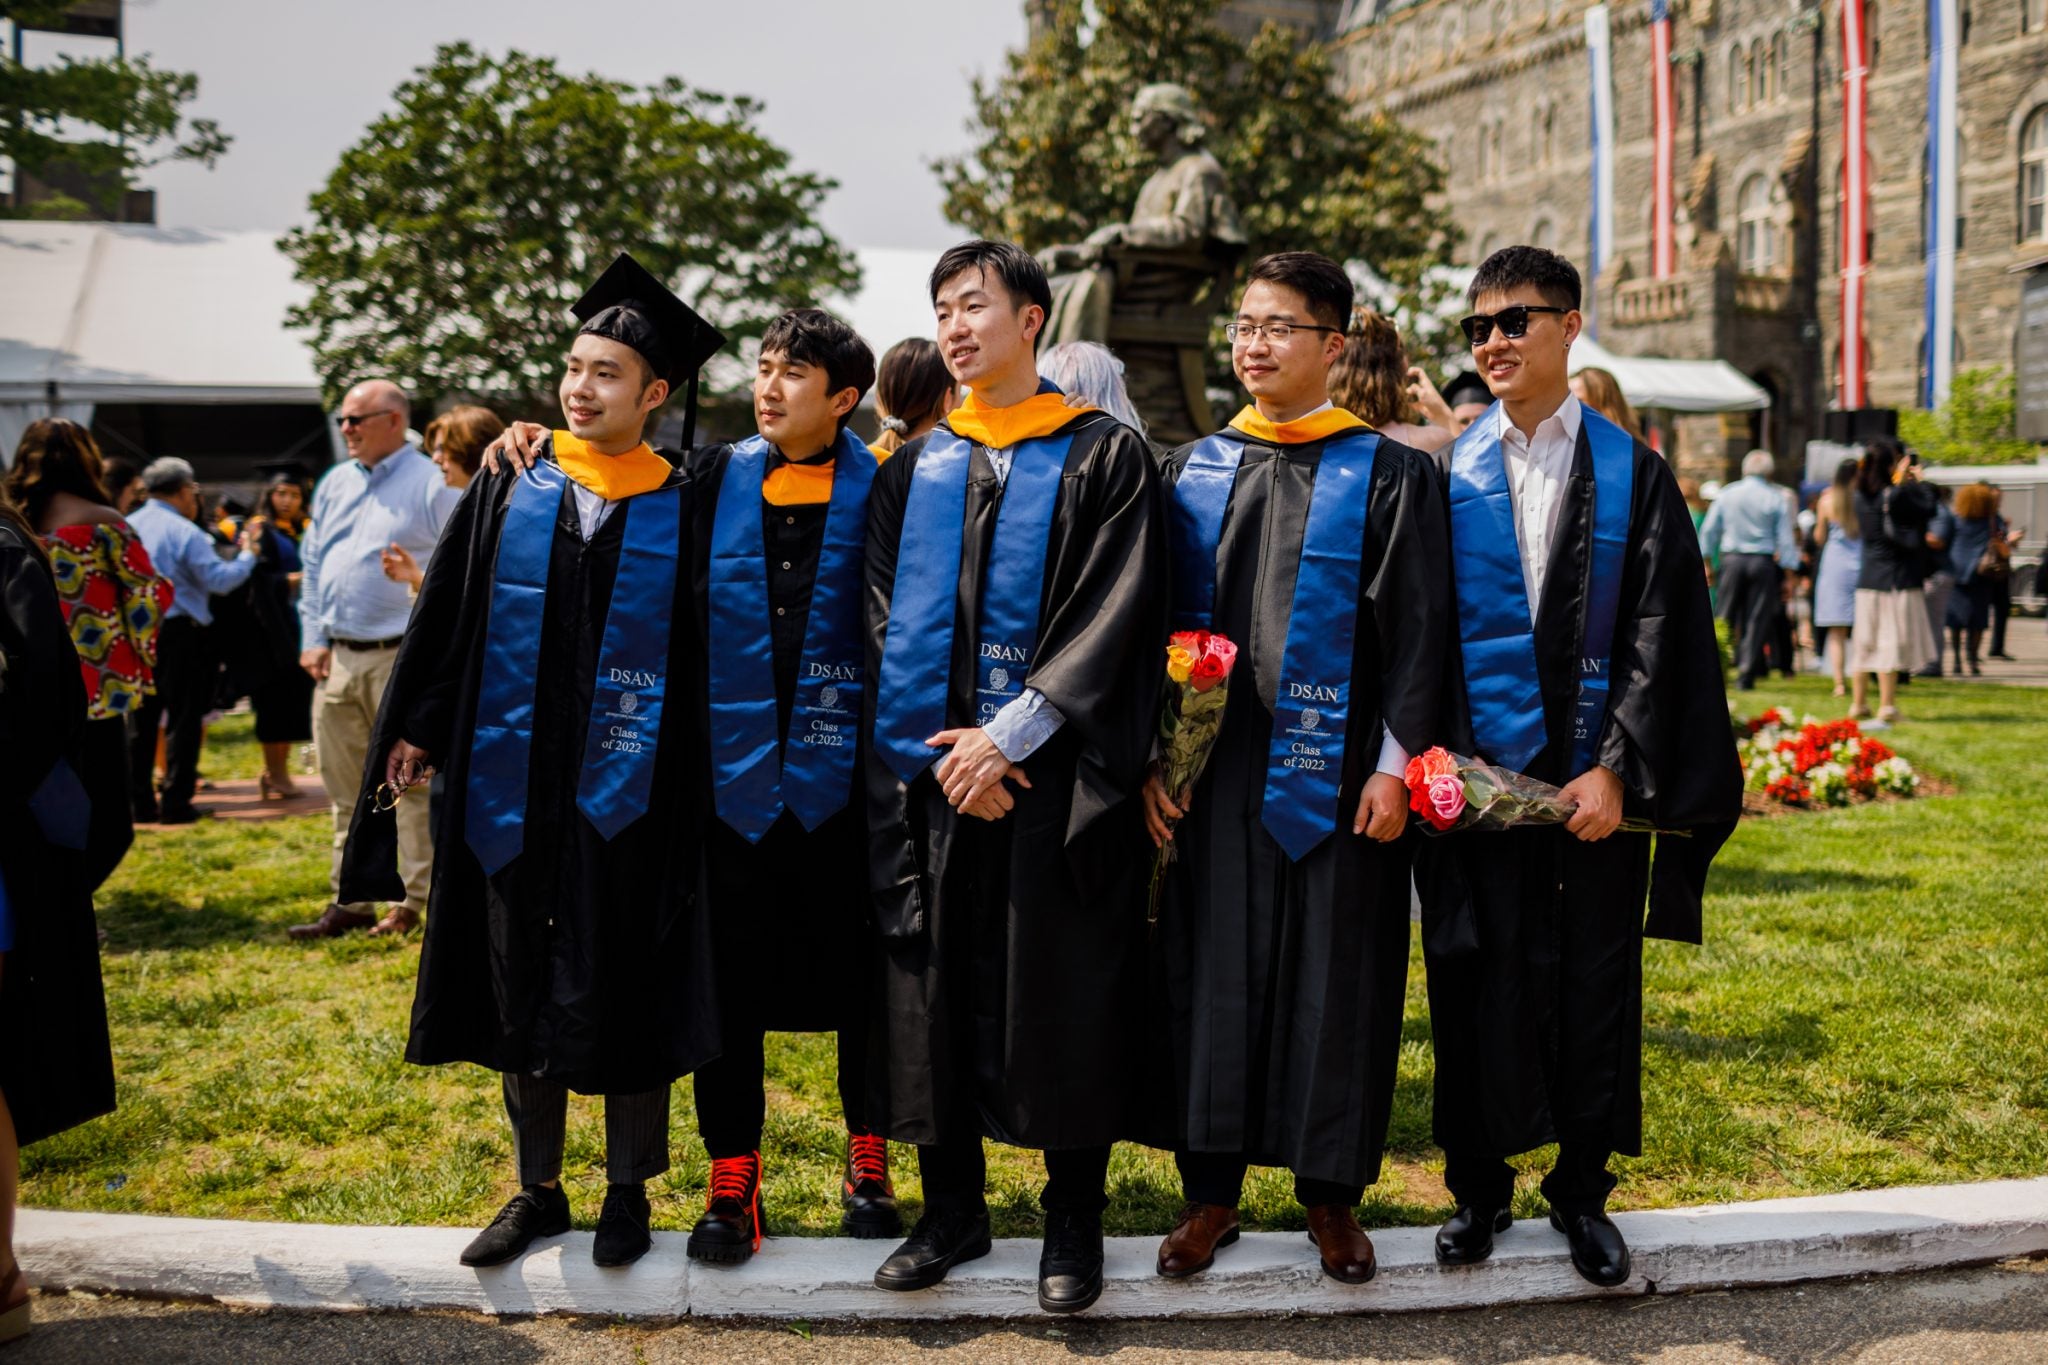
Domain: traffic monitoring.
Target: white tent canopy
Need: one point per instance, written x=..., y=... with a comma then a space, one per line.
x=1674, y=385
x=118, y=313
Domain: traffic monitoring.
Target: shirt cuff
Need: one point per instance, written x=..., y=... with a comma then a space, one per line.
x=311, y=636
x=1023, y=725
x=1393, y=758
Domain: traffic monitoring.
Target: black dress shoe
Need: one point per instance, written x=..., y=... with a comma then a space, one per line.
x=179, y=815
x=623, y=1236
x=1070, y=1267
x=1598, y=1252
x=1467, y=1238
x=536, y=1211
x=942, y=1239
x=867, y=1200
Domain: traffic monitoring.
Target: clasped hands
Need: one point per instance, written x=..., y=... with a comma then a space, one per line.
x=973, y=772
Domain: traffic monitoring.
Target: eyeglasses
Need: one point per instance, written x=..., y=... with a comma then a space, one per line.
x=1513, y=322
x=356, y=419
x=1275, y=332
x=410, y=774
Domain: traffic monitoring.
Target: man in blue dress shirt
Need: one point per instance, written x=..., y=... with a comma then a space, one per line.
x=352, y=617
x=1750, y=524
x=186, y=556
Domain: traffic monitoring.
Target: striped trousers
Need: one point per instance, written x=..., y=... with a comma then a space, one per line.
x=635, y=1131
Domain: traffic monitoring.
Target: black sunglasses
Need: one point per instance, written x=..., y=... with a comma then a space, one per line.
x=1513, y=322
x=351, y=419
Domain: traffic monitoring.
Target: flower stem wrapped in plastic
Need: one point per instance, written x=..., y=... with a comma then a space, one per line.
x=1198, y=664
x=1452, y=792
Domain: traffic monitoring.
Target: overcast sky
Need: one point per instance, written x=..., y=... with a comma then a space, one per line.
x=864, y=91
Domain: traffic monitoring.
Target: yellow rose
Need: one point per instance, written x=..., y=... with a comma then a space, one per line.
x=1180, y=663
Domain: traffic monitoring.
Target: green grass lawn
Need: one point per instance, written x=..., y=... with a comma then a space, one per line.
x=1871, y=1009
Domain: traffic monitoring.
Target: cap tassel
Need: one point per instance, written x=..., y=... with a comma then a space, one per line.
x=690, y=416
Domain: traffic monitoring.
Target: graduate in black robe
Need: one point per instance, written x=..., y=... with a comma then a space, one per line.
x=56, y=1066
x=1533, y=937
x=566, y=956
x=1012, y=915
x=1282, y=977
x=789, y=905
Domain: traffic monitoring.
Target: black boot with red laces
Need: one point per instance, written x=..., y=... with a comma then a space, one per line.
x=869, y=1200
x=730, y=1230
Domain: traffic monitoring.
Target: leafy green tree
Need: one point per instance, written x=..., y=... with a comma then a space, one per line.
x=1975, y=426
x=1055, y=156
x=139, y=110
x=450, y=242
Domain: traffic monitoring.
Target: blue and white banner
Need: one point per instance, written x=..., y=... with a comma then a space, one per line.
x=1601, y=225
x=1944, y=39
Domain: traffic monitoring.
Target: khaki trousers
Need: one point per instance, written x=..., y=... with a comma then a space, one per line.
x=344, y=714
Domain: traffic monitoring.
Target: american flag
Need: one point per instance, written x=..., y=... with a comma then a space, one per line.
x=1855, y=203
x=1664, y=117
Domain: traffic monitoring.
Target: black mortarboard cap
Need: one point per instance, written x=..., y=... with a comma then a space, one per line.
x=295, y=470
x=630, y=306
x=1466, y=387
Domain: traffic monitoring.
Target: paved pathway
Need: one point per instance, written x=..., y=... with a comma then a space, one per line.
x=239, y=798
x=1997, y=1315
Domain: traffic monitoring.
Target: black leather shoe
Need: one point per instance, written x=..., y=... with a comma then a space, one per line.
x=1598, y=1252
x=1070, y=1267
x=867, y=1198
x=623, y=1236
x=536, y=1211
x=1467, y=1238
x=942, y=1239
x=730, y=1230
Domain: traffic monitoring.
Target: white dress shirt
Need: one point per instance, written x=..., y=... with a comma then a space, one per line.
x=1538, y=468
x=592, y=509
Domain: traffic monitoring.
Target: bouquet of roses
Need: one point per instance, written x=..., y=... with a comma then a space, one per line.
x=1451, y=792
x=1198, y=664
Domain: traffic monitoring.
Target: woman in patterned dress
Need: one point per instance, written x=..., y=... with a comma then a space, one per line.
x=113, y=603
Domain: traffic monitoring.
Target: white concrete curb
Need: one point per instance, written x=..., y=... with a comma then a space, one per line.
x=301, y=1265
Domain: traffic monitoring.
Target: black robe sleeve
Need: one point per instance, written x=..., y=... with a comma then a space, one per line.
x=1409, y=593
x=422, y=702
x=42, y=694
x=1667, y=735
x=892, y=859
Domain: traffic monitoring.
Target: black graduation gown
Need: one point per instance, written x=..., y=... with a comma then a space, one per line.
x=790, y=914
x=1283, y=983
x=1533, y=938
x=56, y=1065
x=584, y=961
x=1012, y=980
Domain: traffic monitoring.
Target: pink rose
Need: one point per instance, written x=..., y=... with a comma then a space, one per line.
x=1446, y=801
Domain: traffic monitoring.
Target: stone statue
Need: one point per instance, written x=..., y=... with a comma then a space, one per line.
x=1150, y=288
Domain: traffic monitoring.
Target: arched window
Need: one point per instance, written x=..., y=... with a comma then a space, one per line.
x=2034, y=177
x=1738, y=90
x=1546, y=136
x=1781, y=64
x=1759, y=61
x=1543, y=235
x=2033, y=16
x=1756, y=234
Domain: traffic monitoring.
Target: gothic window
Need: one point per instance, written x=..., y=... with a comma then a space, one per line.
x=1543, y=235
x=1738, y=79
x=1781, y=66
x=1546, y=136
x=1756, y=234
x=1759, y=63
x=2034, y=177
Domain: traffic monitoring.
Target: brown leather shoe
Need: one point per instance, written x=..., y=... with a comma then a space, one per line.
x=1346, y=1250
x=1191, y=1247
x=335, y=921
x=398, y=921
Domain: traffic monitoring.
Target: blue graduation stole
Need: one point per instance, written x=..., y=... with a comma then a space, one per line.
x=1312, y=703
x=917, y=654
x=755, y=772
x=632, y=666
x=1494, y=627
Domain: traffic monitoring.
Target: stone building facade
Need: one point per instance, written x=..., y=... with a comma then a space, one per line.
x=1503, y=87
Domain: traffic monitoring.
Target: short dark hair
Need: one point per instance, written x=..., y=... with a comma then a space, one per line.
x=1315, y=277
x=1018, y=269
x=812, y=336
x=1543, y=270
